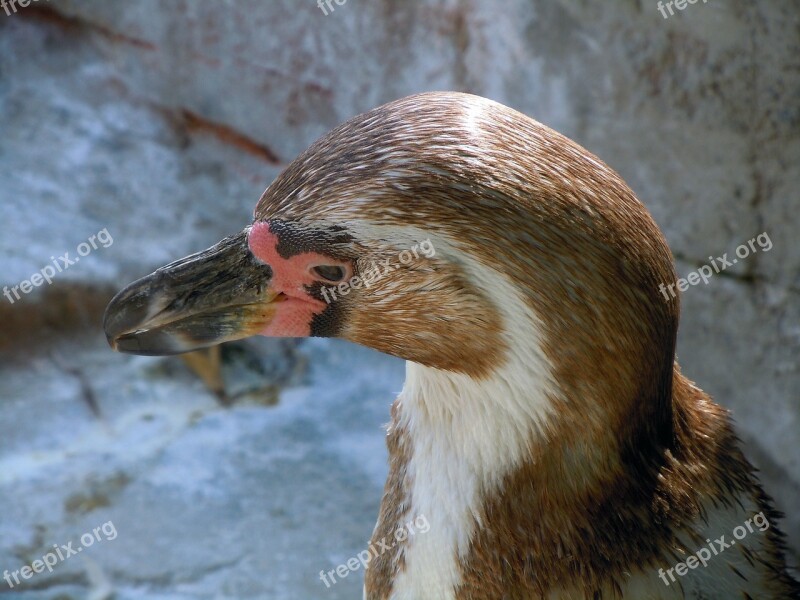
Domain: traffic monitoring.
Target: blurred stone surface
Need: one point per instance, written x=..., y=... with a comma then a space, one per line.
x=245, y=502
x=163, y=122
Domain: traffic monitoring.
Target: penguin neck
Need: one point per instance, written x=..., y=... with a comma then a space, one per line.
x=498, y=463
x=453, y=442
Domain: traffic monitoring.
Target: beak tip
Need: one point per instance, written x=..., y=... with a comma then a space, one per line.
x=124, y=314
x=112, y=333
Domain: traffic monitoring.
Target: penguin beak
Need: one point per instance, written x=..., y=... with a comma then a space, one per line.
x=217, y=295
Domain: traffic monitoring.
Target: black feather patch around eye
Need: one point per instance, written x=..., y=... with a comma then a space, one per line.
x=294, y=239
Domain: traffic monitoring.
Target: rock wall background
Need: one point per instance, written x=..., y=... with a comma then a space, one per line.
x=163, y=123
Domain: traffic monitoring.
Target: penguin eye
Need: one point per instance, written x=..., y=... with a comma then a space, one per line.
x=333, y=273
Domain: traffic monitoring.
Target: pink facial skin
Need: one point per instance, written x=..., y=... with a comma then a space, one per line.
x=295, y=312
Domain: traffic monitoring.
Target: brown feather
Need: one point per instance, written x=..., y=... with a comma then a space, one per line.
x=636, y=453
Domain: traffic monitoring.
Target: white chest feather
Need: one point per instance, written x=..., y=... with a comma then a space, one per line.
x=465, y=436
